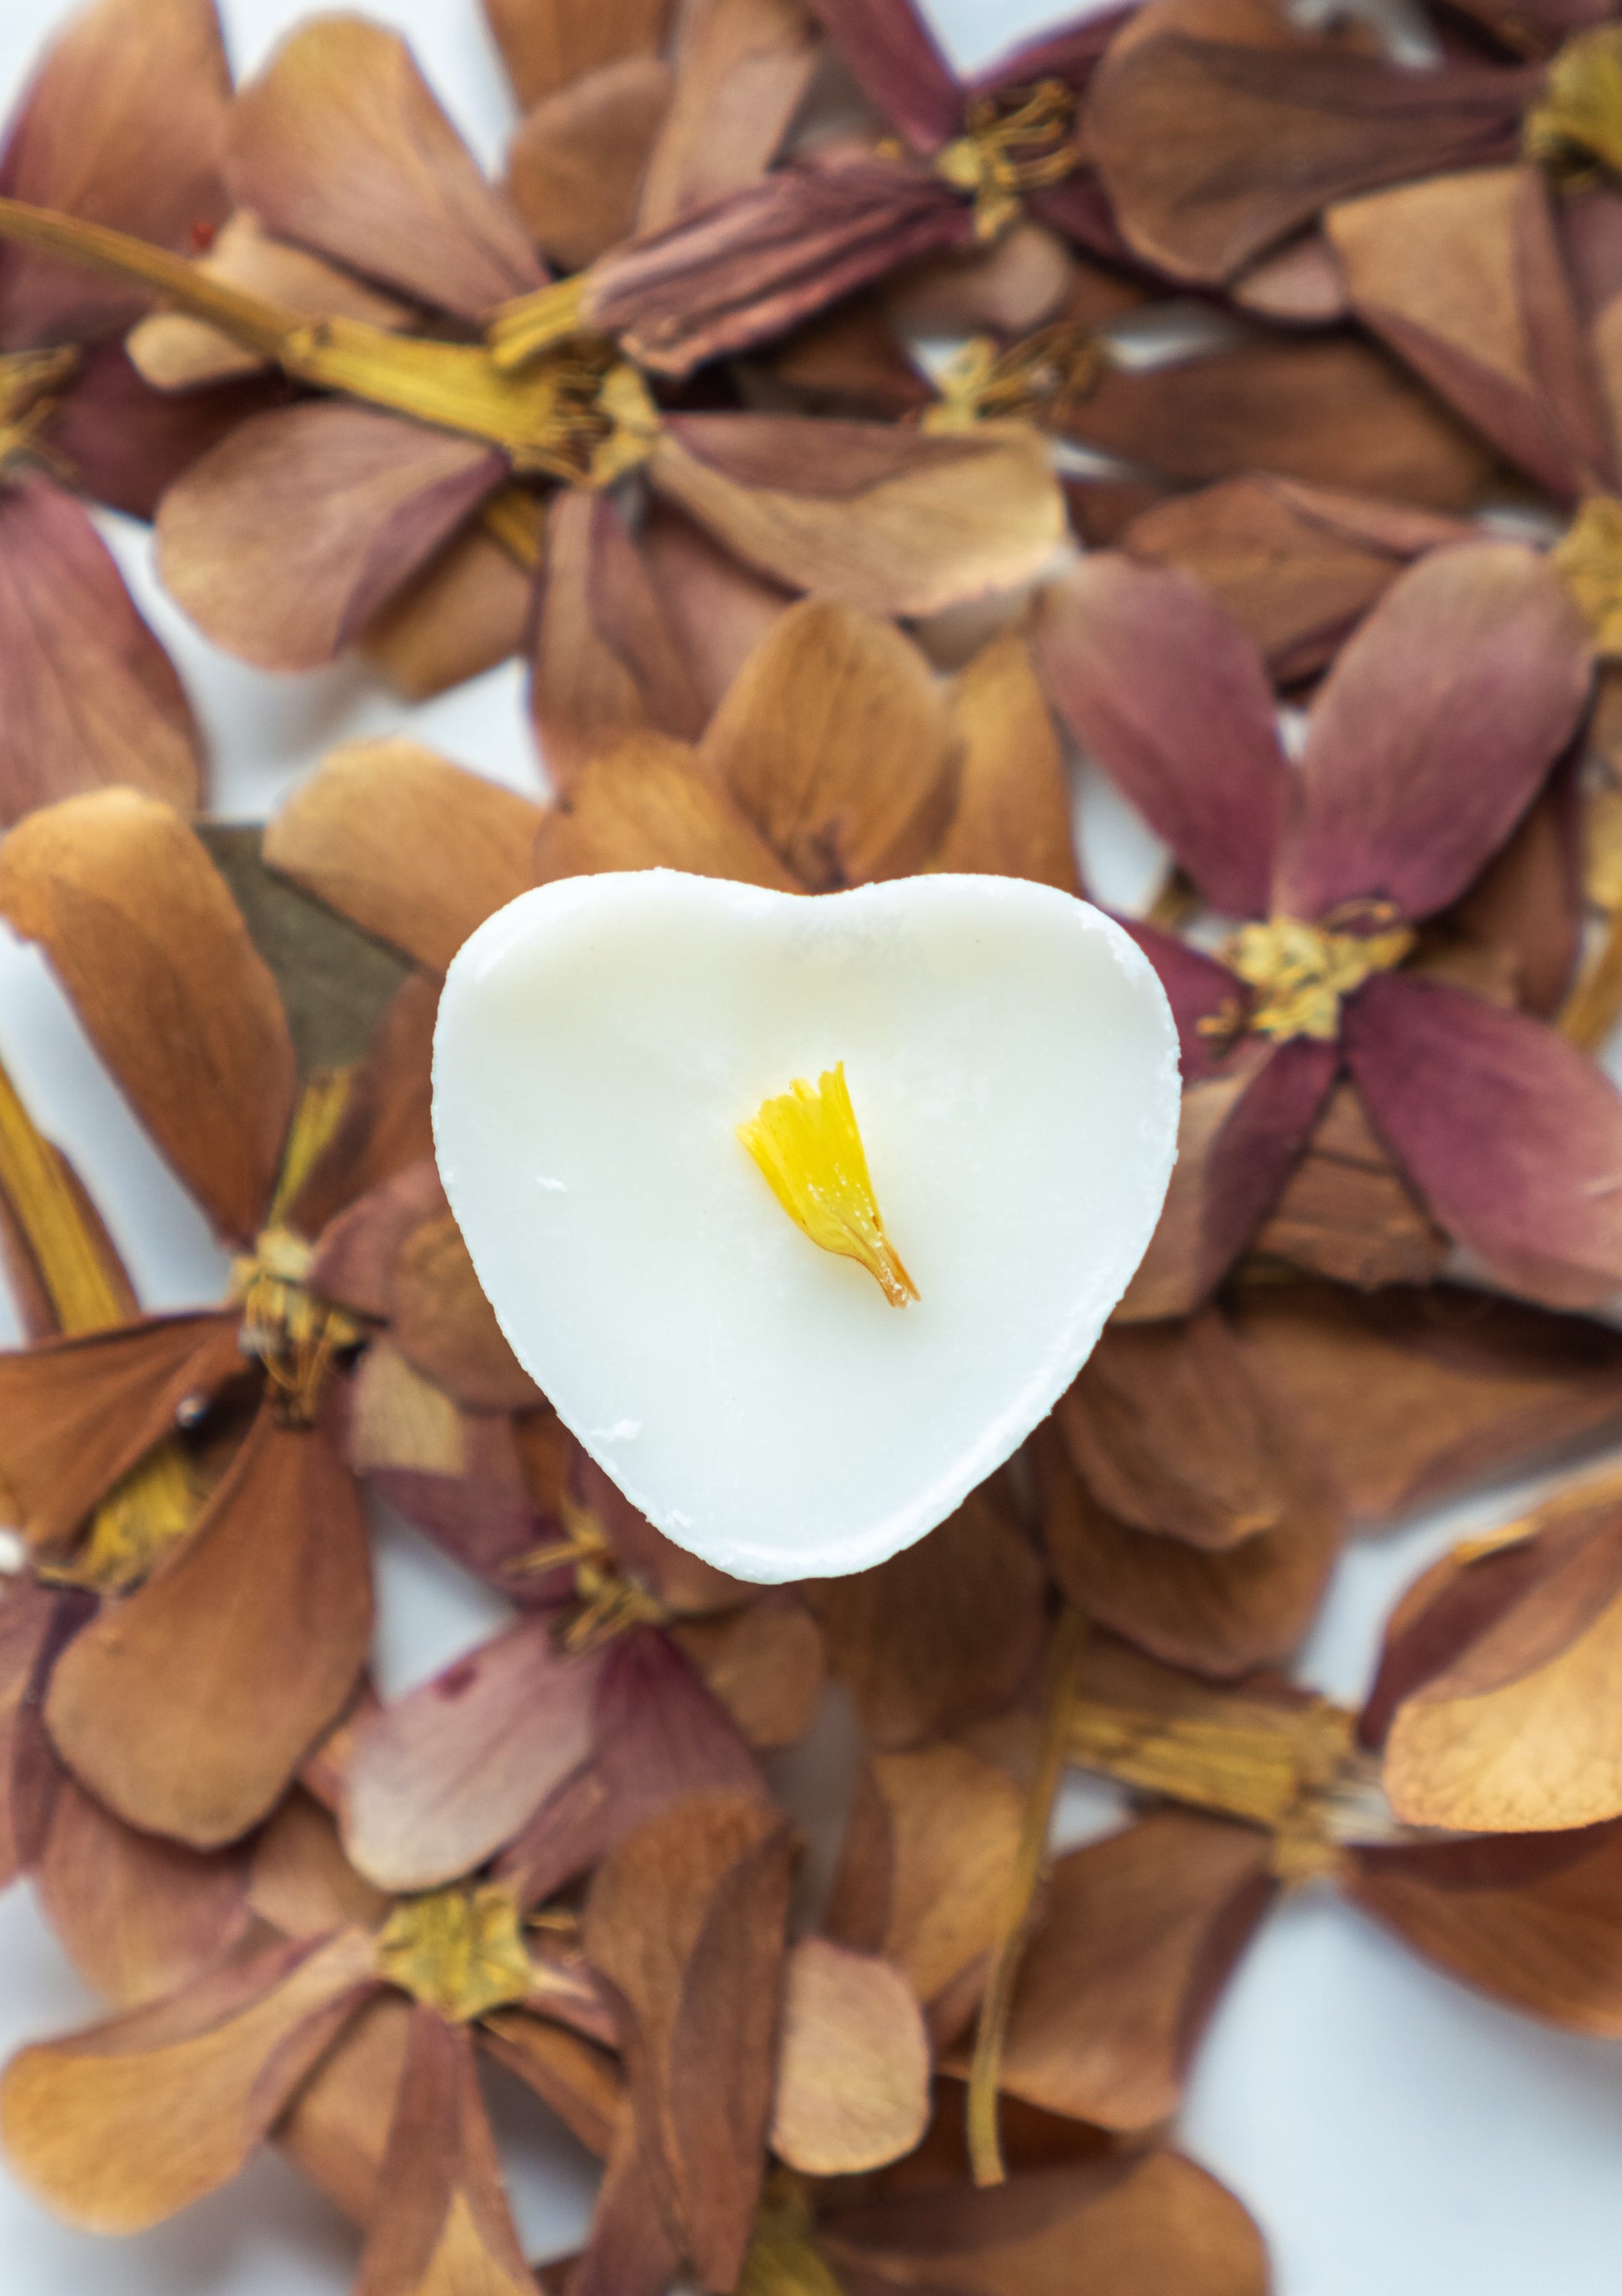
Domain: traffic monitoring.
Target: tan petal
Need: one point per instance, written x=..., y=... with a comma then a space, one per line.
x=138, y=1918
x=32, y=1622
x=765, y=1664
x=608, y=658
x=410, y=847
x=546, y=44
x=1012, y=818
x=337, y=2127
x=833, y=739
x=124, y=125
x=286, y=539
x=1520, y=1732
x=1172, y=1431
x=1347, y=1211
x=298, y=1879
x=136, y=923
x=580, y=2081
x=718, y=608
x=924, y=1872
x=175, y=352
x=648, y=803
x=76, y=1413
x=468, y=609
x=120, y=2126
x=187, y=1707
x=632, y=2251
x=896, y=522
x=685, y=1923
x=87, y=696
x=339, y=145
x=741, y=67
x=443, y=2226
x=575, y=166
x=1219, y=1611
x=1135, y=1939
x=1407, y=1396
x=444, y=1324
x=853, y=2072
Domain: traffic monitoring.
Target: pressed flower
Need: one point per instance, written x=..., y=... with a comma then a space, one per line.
x=137, y=921
x=1426, y=744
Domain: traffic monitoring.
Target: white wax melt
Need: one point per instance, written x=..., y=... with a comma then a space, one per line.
x=1012, y=1064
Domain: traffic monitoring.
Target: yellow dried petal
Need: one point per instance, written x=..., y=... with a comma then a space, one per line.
x=808, y=1144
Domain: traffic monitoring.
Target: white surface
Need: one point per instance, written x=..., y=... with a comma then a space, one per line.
x=1393, y=2133
x=1012, y=1062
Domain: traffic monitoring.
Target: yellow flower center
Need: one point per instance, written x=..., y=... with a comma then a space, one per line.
x=294, y=1334
x=460, y=1951
x=808, y=1144
x=1040, y=379
x=1304, y=973
x=1589, y=556
x=1576, y=125
x=1020, y=140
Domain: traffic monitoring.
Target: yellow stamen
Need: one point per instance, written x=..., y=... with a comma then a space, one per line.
x=1576, y=125
x=29, y=383
x=582, y=416
x=1040, y=379
x=808, y=1145
x=1020, y=140
x=611, y=1599
x=1305, y=971
x=531, y=324
x=461, y=1951
x=1589, y=556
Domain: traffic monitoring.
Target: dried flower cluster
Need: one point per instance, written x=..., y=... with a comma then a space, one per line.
x=1334, y=598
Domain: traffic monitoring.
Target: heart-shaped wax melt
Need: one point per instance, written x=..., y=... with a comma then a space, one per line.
x=651, y=1092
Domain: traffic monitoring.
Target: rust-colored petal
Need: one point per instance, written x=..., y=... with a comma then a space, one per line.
x=764, y=1662
x=580, y=2081
x=408, y=846
x=86, y=692
x=575, y=166
x=75, y=1414
x=124, y=125
x=685, y=1923
x=1347, y=1211
x=943, y=1634
x=1173, y=700
x=1434, y=731
x=298, y=1879
x=1012, y=816
x=466, y=611
x=853, y=2070
x=1296, y=567
x=894, y=522
x=608, y=659
x=1512, y=1136
x=632, y=2251
x=441, y=1779
x=1173, y=1432
x=1140, y=2225
x=741, y=67
x=1134, y=1941
x=1407, y=1396
x=833, y=738
x=119, y=2127
x=648, y=803
x=186, y=1707
x=337, y=2125
x=286, y=540
x=1218, y=1612
x=445, y=2226
x=146, y=939
x=339, y=145
x=1517, y=1730
x=138, y=1917
x=1528, y=1919
x=923, y=1874
x=35, y=1621
x=1220, y=128
x=546, y=44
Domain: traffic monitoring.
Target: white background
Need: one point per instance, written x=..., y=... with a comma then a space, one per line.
x=1392, y=2132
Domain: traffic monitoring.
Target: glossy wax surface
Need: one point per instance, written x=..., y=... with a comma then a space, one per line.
x=1012, y=1061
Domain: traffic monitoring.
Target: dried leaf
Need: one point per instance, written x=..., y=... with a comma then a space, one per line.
x=144, y=937
x=853, y=2074
x=340, y=145
x=285, y=541
x=186, y=1707
x=408, y=847
x=120, y=2126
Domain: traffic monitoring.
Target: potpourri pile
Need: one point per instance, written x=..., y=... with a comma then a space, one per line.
x=848, y=450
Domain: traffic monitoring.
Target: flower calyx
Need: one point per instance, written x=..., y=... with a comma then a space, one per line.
x=1303, y=972
x=1574, y=129
x=460, y=1951
x=1020, y=140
